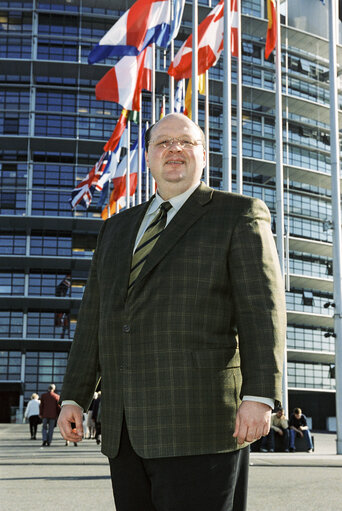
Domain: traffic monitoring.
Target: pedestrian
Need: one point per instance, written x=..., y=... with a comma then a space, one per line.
x=97, y=417
x=279, y=428
x=32, y=414
x=299, y=427
x=91, y=428
x=182, y=316
x=49, y=411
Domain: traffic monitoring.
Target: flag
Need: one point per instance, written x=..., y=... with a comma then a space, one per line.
x=210, y=43
x=271, y=37
x=147, y=21
x=109, y=173
x=119, y=180
x=118, y=131
x=178, y=8
x=83, y=193
x=124, y=82
x=179, y=97
x=188, y=95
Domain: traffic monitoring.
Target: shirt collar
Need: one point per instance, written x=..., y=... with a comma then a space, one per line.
x=176, y=202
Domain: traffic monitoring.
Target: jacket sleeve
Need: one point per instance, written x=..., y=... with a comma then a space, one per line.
x=259, y=302
x=82, y=370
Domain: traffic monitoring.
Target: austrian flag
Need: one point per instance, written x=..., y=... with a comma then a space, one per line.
x=210, y=43
x=124, y=82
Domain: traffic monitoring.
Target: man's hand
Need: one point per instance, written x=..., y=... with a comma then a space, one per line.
x=253, y=421
x=71, y=414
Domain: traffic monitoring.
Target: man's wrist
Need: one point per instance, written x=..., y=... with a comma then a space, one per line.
x=70, y=402
x=258, y=399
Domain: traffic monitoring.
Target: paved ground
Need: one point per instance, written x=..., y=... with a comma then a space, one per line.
x=77, y=478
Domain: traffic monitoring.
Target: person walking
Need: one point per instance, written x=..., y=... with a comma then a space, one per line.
x=49, y=411
x=32, y=414
x=184, y=319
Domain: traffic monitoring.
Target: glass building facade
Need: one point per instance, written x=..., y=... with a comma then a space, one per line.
x=52, y=131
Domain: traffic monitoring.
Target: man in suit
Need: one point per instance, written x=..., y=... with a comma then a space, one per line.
x=187, y=336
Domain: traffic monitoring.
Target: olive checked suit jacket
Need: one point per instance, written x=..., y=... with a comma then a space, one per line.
x=203, y=326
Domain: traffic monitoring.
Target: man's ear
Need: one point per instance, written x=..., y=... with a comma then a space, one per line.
x=146, y=159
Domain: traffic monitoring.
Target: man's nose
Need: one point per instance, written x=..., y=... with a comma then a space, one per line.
x=175, y=145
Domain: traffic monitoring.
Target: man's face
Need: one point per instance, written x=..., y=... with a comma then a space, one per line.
x=298, y=415
x=175, y=168
x=279, y=413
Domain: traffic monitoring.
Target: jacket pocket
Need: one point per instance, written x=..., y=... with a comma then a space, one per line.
x=216, y=359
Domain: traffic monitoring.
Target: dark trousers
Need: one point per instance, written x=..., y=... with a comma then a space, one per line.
x=34, y=421
x=210, y=482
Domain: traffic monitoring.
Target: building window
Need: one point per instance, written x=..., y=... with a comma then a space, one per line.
x=309, y=339
x=315, y=376
x=50, y=325
x=53, y=175
x=51, y=244
x=11, y=283
x=12, y=203
x=42, y=369
x=51, y=203
x=11, y=324
x=10, y=365
x=12, y=244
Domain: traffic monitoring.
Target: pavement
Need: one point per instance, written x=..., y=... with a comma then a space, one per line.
x=77, y=478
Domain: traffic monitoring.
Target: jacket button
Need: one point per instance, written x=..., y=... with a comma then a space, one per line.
x=126, y=329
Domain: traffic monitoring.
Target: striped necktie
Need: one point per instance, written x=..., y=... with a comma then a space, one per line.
x=147, y=242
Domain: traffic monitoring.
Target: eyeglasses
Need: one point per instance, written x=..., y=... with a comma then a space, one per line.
x=182, y=142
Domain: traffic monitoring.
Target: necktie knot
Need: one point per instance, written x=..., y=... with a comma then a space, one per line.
x=166, y=206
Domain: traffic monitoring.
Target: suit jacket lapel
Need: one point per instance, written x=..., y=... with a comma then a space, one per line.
x=190, y=212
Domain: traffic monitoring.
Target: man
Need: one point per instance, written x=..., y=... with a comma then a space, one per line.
x=160, y=326
x=279, y=426
x=299, y=427
x=49, y=411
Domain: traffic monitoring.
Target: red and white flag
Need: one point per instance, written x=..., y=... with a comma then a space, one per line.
x=210, y=43
x=124, y=82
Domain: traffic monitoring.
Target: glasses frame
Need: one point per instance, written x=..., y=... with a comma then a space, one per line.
x=167, y=144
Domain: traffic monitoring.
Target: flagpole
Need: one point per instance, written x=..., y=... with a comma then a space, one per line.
x=140, y=155
x=194, y=88
x=128, y=187
x=239, y=166
x=227, y=100
x=171, y=78
x=147, y=176
x=206, y=129
x=280, y=178
x=336, y=214
x=153, y=107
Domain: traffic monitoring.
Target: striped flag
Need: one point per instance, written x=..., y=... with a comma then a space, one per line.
x=210, y=43
x=147, y=21
x=188, y=95
x=271, y=37
x=119, y=179
x=179, y=97
x=124, y=82
x=112, y=143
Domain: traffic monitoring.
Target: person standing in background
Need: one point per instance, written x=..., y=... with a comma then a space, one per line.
x=32, y=414
x=49, y=411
